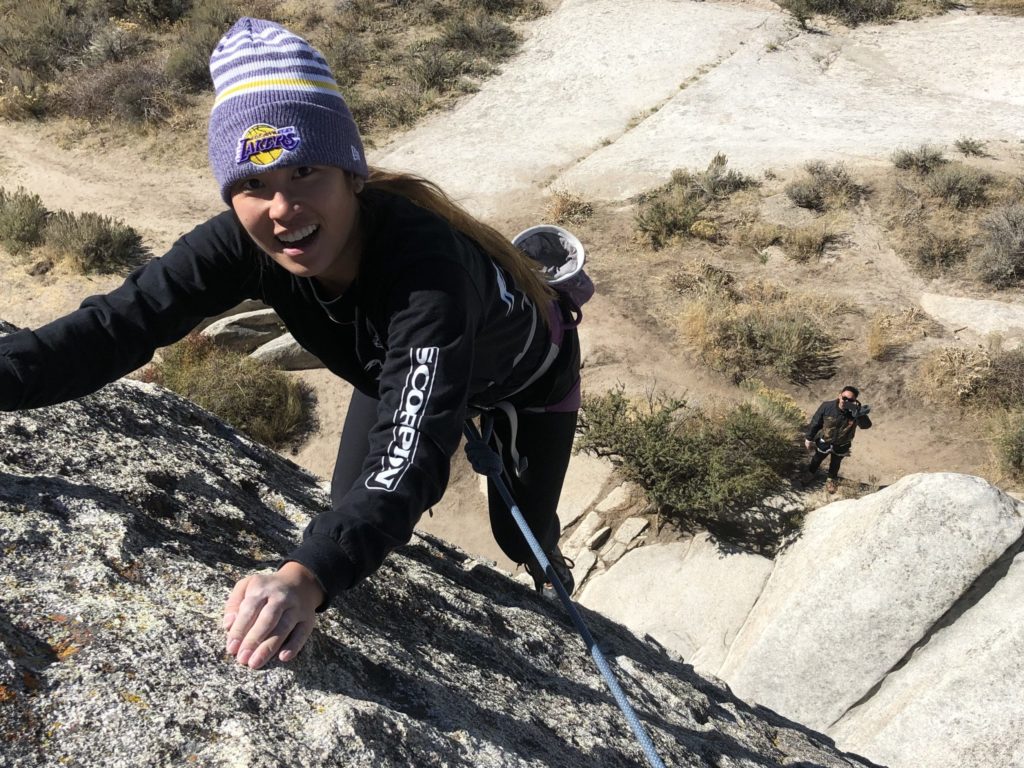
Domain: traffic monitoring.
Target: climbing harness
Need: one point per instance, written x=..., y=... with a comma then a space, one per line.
x=487, y=462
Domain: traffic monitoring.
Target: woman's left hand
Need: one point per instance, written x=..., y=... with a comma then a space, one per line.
x=272, y=613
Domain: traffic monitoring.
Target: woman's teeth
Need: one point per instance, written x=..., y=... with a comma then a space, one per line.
x=298, y=234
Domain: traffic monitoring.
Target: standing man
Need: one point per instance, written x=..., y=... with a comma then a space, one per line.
x=831, y=432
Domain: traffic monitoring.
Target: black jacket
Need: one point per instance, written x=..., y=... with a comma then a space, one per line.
x=430, y=326
x=834, y=426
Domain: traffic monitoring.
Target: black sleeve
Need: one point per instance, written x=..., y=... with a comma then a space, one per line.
x=424, y=388
x=864, y=422
x=817, y=421
x=205, y=273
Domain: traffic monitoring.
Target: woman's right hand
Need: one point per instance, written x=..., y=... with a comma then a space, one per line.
x=272, y=613
x=808, y=445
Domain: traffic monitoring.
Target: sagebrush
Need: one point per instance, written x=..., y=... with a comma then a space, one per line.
x=246, y=393
x=699, y=469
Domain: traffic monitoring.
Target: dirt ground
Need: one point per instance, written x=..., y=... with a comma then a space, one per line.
x=630, y=335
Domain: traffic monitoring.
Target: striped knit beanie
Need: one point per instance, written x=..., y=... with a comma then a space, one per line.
x=277, y=105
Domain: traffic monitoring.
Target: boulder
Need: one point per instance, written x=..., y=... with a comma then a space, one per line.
x=126, y=516
x=245, y=331
x=584, y=483
x=285, y=353
x=958, y=701
x=980, y=316
x=691, y=596
x=866, y=583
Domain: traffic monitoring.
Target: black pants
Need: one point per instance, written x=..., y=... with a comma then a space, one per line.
x=839, y=452
x=545, y=439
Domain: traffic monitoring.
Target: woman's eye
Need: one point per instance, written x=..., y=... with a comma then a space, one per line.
x=249, y=185
x=303, y=170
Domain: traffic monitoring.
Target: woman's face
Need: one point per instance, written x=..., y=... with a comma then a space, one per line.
x=305, y=218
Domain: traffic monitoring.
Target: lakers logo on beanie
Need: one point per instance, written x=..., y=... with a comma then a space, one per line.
x=277, y=105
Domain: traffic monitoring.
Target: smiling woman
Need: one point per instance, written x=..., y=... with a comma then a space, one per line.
x=426, y=311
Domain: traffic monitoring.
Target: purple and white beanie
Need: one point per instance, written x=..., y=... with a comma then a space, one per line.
x=277, y=105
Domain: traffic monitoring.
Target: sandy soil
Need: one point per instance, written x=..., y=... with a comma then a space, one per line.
x=606, y=99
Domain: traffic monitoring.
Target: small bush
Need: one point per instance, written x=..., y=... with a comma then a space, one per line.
x=937, y=250
x=698, y=469
x=564, y=207
x=22, y=220
x=46, y=36
x=970, y=147
x=850, y=12
x=126, y=92
x=479, y=33
x=953, y=373
x=744, y=331
x=922, y=160
x=1002, y=384
x=889, y=332
x=827, y=187
x=759, y=235
x=676, y=207
x=188, y=65
x=810, y=242
x=112, y=42
x=1009, y=444
x=960, y=185
x=246, y=393
x=1000, y=259
x=89, y=242
x=151, y=11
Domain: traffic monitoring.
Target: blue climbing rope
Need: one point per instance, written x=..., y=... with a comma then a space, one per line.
x=487, y=462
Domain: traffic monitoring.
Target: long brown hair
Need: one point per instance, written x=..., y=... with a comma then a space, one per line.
x=427, y=194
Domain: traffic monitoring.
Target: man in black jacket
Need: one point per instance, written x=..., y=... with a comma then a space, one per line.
x=831, y=432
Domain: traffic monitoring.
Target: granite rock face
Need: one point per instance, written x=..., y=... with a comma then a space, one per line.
x=126, y=516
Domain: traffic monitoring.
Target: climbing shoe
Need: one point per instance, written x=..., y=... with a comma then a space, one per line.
x=832, y=485
x=562, y=567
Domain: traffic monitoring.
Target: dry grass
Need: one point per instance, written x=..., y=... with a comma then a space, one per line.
x=1008, y=7
x=748, y=330
x=953, y=374
x=568, y=208
x=890, y=331
x=811, y=241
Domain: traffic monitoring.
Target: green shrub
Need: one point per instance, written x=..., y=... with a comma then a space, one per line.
x=46, y=36
x=827, y=187
x=246, y=393
x=1000, y=259
x=970, y=147
x=479, y=33
x=923, y=160
x=151, y=11
x=937, y=250
x=127, y=92
x=188, y=65
x=851, y=12
x=112, y=42
x=1002, y=383
x=91, y=243
x=1009, y=443
x=960, y=185
x=698, y=469
x=22, y=220
x=677, y=206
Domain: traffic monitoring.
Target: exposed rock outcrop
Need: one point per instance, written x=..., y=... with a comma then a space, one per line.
x=126, y=516
x=892, y=623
